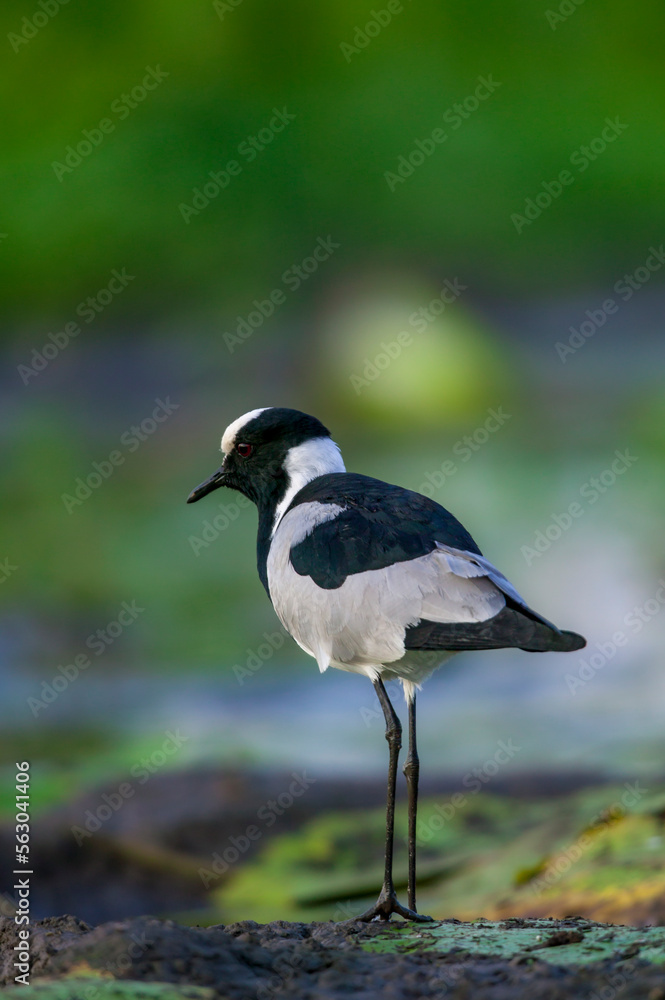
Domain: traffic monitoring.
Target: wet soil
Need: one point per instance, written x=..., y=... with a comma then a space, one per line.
x=332, y=960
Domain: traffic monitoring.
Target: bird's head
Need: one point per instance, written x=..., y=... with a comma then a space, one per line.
x=270, y=454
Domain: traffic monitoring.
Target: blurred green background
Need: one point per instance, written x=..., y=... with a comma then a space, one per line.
x=320, y=108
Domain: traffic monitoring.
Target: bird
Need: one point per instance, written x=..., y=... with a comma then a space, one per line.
x=371, y=578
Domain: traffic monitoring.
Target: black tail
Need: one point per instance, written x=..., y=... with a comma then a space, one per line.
x=510, y=628
x=564, y=642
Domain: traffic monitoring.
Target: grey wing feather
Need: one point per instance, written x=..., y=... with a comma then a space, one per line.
x=470, y=564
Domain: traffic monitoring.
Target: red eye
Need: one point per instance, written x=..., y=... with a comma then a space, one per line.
x=244, y=450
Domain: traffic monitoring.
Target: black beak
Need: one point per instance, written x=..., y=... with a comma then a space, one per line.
x=217, y=479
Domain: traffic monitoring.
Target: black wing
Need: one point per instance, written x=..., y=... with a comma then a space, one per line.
x=381, y=525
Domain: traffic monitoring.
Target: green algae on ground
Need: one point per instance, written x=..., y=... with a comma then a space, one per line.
x=98, y=988
x=338, y=857
x=497, y=856
x=570, y=942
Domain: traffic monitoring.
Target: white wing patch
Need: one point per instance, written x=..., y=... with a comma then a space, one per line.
x=362, y=624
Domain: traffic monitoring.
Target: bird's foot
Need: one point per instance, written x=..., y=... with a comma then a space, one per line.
x=386, y=904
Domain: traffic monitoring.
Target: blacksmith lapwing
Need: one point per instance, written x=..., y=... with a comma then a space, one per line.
x=370, y=578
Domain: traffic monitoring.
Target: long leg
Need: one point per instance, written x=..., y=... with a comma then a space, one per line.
x=412, y=771
x=387, y=902
x=394, y=738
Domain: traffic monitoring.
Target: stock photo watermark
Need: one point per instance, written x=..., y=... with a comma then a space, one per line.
x=561, y=864
x=475, y=780
x=88, y=309
x=464, y=449
x=625, y=288
x=581, y=158
x=617, y=980
x=7, y=569
x=267, y=815
x=363, y=34
x=591, y=491
x=31, y=26
x=122, y=963
x=634, y=621
x=212, y=528
x=248, y=149
x=142, y=771
x=132, y=439
x=121, y=108
x=565, y=10
x=259, y=657
x=454, y=116
x=97, y=642
x=21, y=915
x=373, y=713
x=224, y=7
x=292, y=278
x=282, y=980
x=420, y=320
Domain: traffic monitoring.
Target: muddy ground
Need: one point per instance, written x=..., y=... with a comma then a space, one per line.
x=247, y=961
